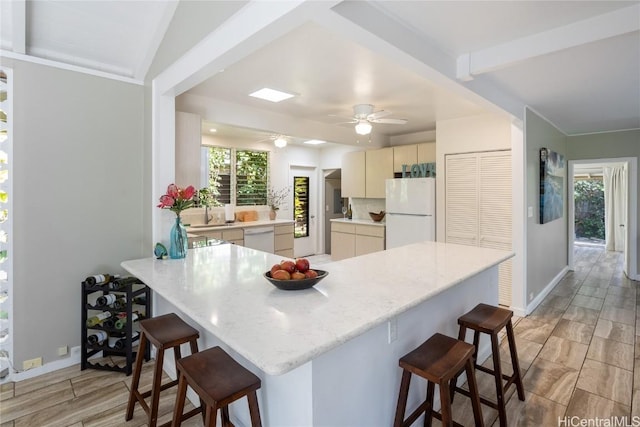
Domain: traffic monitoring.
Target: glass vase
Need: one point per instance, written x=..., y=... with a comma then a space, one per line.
x=179, y=241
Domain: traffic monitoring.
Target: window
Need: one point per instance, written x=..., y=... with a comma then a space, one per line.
x=301, y=203
x=235, y=176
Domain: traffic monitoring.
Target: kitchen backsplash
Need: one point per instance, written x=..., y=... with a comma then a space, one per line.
x=361, y=207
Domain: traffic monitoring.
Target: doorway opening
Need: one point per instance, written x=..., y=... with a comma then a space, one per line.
x=333, y=203
x=603, y=208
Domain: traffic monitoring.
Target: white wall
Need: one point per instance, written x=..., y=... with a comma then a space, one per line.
x=79, y=165
x=546, y=243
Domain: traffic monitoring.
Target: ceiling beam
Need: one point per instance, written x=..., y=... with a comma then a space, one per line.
x=607, y=25
x=146, y=60
x=257, y=24
x=19, y=26
x=372, y=26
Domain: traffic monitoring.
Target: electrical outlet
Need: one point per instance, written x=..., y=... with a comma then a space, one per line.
x=393, y=330
x=62, y=351
x=530, y=296
x=32, y=363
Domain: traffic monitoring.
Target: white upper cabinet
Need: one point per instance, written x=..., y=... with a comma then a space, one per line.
x=404, y=155
x=353, y=174
x=379, y=168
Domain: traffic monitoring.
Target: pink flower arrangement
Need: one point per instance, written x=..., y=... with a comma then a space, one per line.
x=177, y=199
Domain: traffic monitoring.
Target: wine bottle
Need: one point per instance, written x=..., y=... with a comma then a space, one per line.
x=349, y=212
x=106, y=299
x=122, y=282
x=122, y=321
x=100, y=279
x=122, y=342
x=109, y=323
x=140, y=300
x=119, y=303
x=98, y=318
x=97, y=337
x=112, y=341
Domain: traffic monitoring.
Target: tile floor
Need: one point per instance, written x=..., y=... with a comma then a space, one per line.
x=579, y=354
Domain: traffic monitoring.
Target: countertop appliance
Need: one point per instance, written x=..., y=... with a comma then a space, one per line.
x=260, y=238
x=411, y=211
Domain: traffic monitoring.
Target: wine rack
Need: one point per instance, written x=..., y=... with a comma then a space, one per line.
x=132, y=293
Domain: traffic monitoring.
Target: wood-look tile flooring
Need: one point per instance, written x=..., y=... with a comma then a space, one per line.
x=579, y=353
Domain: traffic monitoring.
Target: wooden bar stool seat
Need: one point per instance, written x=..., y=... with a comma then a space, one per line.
x=491, y=320
x=164, y=332
x=218, y=380
x=438, y=360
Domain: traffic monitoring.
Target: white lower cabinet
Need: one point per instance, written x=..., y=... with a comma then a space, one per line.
x=349, y=240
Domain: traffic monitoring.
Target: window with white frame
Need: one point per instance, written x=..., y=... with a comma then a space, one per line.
x=234, y=175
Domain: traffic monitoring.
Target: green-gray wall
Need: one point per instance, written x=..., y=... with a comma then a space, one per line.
x=78, y=207
x=546, y=243
x=607, y=146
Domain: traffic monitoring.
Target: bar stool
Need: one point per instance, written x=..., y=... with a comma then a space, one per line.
x=218, y=380
x=438, y=360
x=490, y=320
x=164, y=332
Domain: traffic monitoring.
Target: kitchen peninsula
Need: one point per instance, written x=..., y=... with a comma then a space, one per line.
x=326, y=355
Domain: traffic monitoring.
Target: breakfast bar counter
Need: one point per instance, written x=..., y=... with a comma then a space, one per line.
x=326, y=355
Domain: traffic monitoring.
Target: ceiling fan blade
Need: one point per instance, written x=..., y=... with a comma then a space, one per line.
x=390, y=121
x=378, y=114
x=352, y=122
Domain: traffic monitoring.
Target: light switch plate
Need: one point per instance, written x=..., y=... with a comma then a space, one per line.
x=530, y=211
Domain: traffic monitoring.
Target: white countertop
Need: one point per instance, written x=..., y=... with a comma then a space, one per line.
x=222, y=289
x=238, y=224
x=359, y=221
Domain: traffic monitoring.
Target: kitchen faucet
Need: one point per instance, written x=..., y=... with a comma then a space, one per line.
x=207, y=217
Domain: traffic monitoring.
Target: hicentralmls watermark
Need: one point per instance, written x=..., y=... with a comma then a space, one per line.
x=576, y=421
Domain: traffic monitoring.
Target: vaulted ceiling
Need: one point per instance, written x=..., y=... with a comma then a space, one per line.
x=575, y=62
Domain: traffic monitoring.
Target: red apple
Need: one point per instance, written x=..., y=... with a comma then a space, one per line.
x=302, y=264
x=281, y=275
x=275, y=268
x=288, y=266
x=310, y=274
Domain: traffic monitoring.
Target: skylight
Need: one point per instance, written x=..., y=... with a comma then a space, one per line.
x=271, y=95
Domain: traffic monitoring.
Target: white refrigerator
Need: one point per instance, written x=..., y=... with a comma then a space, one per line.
x=411, y=211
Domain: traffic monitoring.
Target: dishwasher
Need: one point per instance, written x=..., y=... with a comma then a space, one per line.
x=260, y=238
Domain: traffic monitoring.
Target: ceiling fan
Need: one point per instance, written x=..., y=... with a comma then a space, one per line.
x=278, y=140
x=364, y=117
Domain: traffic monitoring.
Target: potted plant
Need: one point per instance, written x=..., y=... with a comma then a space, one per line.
x=275, y=199
x=176, y=200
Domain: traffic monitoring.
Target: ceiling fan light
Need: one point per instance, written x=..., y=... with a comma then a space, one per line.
x=280, y=142
x=363, y=128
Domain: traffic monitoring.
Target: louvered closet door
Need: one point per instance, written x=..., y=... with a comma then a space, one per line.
x=495, y=202
x=461, y=199
x=479, y=206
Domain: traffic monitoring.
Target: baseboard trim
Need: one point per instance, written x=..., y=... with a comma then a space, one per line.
x=73, y=359
x=542, y=295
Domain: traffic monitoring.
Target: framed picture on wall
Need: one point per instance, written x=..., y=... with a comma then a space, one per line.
x=552, y=173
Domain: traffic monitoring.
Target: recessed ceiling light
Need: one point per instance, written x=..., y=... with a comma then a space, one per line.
x=271, y=95
x=315, y=142
x=213, y=130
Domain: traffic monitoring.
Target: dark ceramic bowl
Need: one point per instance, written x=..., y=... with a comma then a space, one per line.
x=296, y=285
x=377, y=217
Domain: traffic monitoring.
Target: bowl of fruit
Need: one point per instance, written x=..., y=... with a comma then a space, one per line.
x=294, y=275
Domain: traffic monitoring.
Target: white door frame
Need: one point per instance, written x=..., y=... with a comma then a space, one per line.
x=632, y=210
